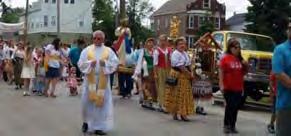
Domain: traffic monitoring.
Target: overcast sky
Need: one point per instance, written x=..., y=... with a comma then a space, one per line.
x=237, y=6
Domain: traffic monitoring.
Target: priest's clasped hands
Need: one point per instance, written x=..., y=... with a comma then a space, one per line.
x=101, y=63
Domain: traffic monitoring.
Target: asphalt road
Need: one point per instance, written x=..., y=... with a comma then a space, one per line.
x=39, y=116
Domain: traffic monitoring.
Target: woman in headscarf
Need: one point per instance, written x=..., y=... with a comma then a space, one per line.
x=178, y=94
x=149, y=89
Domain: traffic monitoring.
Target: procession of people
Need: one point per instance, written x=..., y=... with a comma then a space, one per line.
x=159, y=72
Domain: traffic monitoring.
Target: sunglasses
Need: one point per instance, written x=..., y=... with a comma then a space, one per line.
x=236, y=47
x=97, y=38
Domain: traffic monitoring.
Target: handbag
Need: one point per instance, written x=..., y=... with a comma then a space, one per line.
x=172, y=81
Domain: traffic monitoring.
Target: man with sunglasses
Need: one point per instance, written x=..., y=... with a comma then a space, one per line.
x=97, y=62
x=281, y=67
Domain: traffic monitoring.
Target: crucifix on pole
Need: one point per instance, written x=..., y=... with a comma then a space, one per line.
x=122, y=10
x=26, y=23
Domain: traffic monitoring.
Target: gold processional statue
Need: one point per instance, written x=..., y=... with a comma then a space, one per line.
x=174, y=28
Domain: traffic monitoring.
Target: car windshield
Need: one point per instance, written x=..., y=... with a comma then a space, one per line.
x=253, y=42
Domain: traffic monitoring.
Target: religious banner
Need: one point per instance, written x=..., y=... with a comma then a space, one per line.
x=15, y=27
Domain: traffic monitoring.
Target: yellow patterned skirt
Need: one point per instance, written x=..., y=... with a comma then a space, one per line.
x=179, y=99
x=162, y=74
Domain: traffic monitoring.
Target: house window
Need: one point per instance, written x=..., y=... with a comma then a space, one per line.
x=191, y=21
x=66, y=1
x=53, y=1
x=81, y=23
x=53, y=22
x=158, y=24
x=32, y=25
x=45, y=21
x=166, y=22
x=72, y=1
x=202, y=20
x=190, y=41
x=206, y=3
x=46, y=1
x=217, y=23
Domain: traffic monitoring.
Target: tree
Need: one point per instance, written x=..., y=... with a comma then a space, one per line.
x=205, y=27
x=137, y=10
x=269, y=17
x=10, y=15
x=103, y=14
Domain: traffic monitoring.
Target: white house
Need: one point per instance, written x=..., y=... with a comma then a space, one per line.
x=75, y=20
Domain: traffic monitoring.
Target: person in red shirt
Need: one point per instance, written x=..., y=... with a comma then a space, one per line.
x=273, y=94
x=231, y=73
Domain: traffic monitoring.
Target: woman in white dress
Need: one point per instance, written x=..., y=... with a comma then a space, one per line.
x=28, y=71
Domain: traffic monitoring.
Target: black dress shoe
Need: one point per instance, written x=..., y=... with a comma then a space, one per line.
x=234, y=131
x=226, y=130
x=99, y=132
x=84, y=127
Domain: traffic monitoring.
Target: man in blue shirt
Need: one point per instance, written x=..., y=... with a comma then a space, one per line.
x=281, y=66
x=74, y=56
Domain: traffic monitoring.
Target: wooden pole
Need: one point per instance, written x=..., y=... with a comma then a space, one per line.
x=122, y=9
x=26, y=23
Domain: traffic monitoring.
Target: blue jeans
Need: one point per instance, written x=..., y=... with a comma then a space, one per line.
x=40, y=84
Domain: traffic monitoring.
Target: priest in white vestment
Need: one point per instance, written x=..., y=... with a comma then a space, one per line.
x=97, y=62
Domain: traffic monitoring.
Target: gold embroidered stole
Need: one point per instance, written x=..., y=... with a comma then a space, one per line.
x=96, y=95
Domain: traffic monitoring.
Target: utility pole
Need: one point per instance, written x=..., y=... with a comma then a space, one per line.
x=58, y=17
x=26, y=23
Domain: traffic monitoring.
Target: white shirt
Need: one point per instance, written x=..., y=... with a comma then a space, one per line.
x=50, y=49
x=65, y=52
x=180, y=59
x=1, y=54
x=8, y=52
x=19, y=54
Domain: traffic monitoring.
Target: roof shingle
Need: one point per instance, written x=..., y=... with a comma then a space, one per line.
x=236, y=19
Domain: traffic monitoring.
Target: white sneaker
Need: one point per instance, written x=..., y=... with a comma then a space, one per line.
x=26, y=93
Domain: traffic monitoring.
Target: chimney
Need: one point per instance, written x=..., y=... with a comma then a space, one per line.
x=234, y=13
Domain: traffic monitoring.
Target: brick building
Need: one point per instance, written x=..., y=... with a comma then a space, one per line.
x=191, y=13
